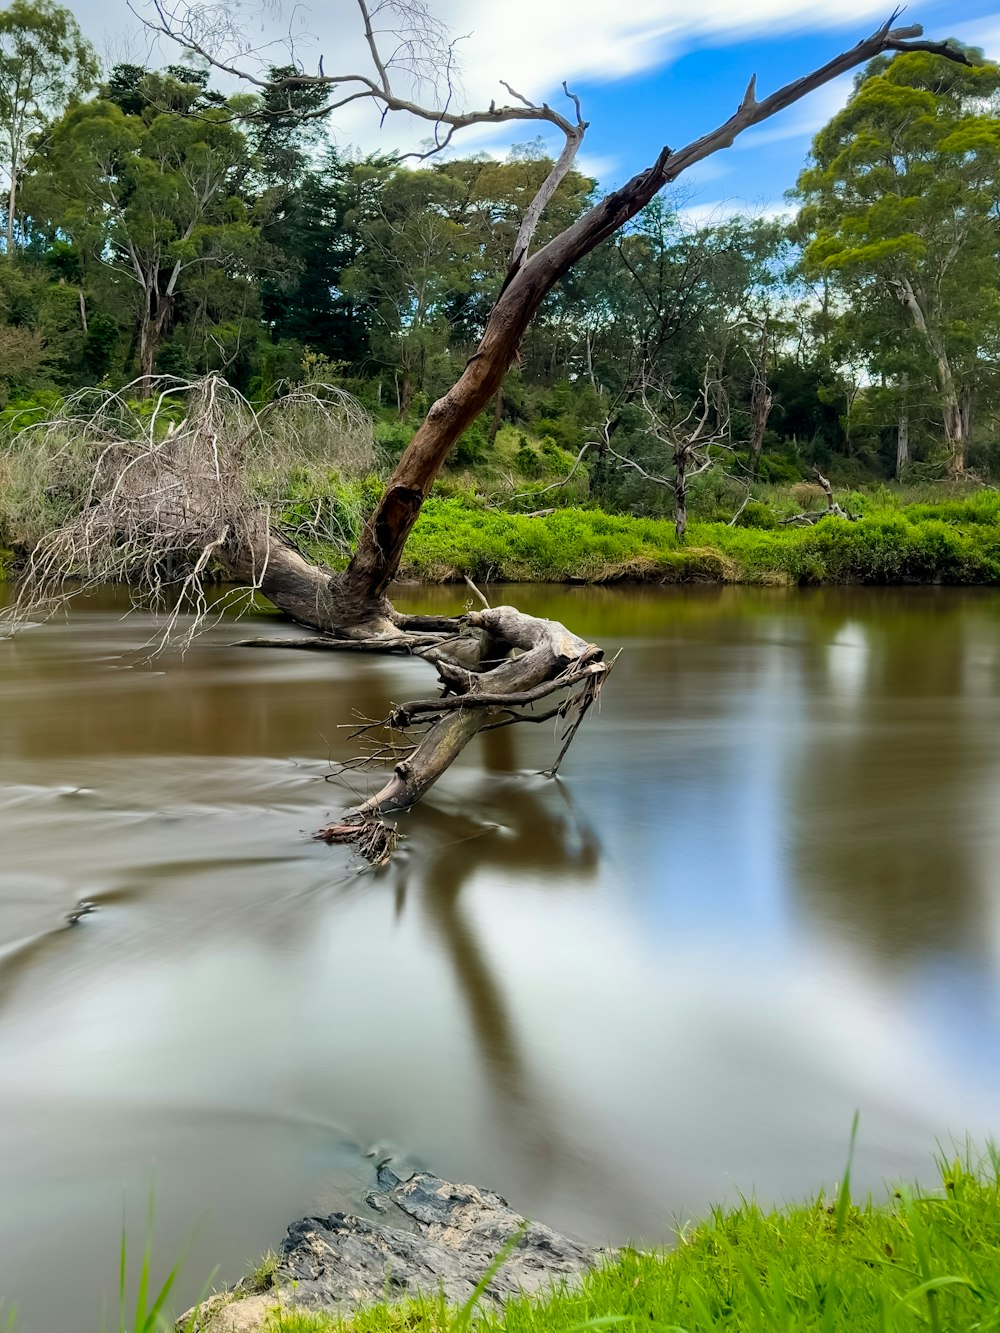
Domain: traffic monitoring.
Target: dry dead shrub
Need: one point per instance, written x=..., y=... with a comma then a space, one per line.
x=151, y=493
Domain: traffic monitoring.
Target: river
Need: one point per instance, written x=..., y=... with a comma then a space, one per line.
x=766, y=894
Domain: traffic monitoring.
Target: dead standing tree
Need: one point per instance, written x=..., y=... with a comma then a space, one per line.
x=493, y=664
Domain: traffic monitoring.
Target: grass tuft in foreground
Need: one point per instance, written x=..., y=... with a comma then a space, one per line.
x=930, y=1260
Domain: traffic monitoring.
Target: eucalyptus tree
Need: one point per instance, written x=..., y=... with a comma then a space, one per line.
x=495, y=662
x=154, y=196
x=414, y=258
x=45, y=63
x=900, y=210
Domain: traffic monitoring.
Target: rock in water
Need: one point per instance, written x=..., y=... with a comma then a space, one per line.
x=436, y=1237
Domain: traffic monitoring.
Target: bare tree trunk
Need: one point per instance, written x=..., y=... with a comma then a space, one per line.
x=11, y=201
x=955, y=433
x=761, y=402
x=902, y=444
x=903, y=434
x=955, y=419
x=680, y=493
x=404, y=394
x=155, y=320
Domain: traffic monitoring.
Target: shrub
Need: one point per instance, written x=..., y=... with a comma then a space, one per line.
x=807, y=495
x=756, y=514
x=393, y=436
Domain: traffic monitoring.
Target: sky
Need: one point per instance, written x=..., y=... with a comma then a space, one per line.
x=647, y=72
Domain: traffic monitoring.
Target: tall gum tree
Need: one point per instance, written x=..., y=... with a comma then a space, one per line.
x=152, y=196
x=900, y=210
x=45, y=63
x=494, y=664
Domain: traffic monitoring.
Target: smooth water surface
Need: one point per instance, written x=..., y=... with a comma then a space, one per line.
x=766, y=894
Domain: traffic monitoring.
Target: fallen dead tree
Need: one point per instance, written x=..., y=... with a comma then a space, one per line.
x=811, y=516
x=140, y=496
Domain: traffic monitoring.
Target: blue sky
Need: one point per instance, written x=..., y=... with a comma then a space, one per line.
x=684, y=97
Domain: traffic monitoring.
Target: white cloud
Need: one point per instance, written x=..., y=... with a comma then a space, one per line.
x=983, y=31
x=534, y=44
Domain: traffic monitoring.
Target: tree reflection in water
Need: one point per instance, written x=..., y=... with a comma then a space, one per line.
x=543, y=838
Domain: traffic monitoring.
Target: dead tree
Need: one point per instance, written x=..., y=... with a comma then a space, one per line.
x=761, y=400
x=685, y=437
x=494, y=665
x=832, y=510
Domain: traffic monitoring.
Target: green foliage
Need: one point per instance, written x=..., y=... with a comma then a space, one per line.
x=899, y=215
x=955, y=542
x=45, y=63
x=756, y=514
x=472, y=446
x=393, y=436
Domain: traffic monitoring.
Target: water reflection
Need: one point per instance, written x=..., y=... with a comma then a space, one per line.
x=891, y=799
x=539, y=834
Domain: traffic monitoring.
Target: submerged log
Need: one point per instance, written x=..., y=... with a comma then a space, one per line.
x=424, y=1237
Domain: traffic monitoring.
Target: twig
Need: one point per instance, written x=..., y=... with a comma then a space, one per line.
x=477, y=592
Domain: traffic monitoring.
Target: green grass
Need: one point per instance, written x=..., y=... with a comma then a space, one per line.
x=952, y=542
x=928, y=1260
x=261, y=1275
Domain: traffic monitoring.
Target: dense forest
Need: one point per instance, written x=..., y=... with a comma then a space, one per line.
x=153, y=226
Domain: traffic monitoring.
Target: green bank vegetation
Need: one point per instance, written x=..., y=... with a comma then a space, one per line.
x=954, y=542
x=926, y=1260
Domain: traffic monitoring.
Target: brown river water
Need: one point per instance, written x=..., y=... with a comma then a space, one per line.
x=765, y=895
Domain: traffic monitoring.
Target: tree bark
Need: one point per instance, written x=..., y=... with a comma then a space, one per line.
x=902, y=444
x=956, y=425
x=680, y=493
x=11, y=204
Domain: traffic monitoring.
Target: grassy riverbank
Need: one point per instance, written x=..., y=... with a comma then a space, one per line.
x=953, y=542
x=926, y=1260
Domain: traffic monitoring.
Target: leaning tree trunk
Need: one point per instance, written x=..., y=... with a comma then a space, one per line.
x=355, y=603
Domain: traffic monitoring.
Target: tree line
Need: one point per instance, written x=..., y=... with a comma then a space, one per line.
x=155, y=226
